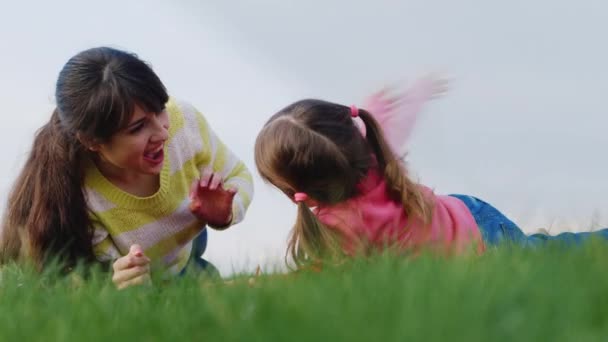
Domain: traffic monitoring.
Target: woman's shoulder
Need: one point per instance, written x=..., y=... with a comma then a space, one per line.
x=182, y=114
x=180, y=105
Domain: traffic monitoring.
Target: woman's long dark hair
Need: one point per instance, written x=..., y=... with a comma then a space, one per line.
x=47, y=217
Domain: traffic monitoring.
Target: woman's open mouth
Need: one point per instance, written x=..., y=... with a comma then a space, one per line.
x=155, y=157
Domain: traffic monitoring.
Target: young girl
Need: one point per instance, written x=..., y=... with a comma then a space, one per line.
x=342, y=167
x=122, y=173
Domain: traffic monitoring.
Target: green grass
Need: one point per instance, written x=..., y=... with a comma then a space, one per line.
x=504, y=295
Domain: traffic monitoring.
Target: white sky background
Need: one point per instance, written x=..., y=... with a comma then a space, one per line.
x=523, y=127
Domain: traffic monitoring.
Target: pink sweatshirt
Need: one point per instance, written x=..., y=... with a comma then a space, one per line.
x=373, y=217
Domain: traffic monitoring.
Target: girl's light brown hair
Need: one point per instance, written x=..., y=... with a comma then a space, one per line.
x=313, y=146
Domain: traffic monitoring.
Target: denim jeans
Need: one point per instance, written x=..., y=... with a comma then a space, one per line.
x=196, y=262
x=496, y=228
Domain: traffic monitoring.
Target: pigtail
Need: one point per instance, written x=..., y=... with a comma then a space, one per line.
x=46, y=218
x=401, y=187
x=311, y=240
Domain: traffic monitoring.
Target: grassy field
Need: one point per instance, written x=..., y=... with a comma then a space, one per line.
x=505, y=295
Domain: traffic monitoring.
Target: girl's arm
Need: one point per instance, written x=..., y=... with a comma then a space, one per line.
x=396, y=111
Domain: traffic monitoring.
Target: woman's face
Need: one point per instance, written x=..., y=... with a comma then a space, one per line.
x=138, y=148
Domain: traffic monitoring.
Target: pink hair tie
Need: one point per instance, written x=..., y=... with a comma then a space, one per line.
x=354, y=111
x=300, y=197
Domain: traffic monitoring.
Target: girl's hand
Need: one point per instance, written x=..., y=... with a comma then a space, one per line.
x=433, y=85
x=131, y=269
x=391, y=99
x=382, y=102
x=396, y=109
x=210, y=202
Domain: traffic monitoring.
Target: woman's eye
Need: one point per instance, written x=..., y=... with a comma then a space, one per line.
x=137, y=128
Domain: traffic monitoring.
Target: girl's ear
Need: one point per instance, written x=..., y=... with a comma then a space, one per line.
x=89, y=143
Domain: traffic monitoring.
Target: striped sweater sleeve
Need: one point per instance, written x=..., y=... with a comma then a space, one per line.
x=223, y=161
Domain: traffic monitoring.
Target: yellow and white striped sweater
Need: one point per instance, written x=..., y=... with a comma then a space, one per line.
x=162, y=223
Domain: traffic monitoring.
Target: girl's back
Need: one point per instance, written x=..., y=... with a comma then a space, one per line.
x=373, y=217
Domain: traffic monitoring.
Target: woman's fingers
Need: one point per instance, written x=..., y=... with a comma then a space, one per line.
x=206, y=175
x=142, y=279
x=129, y=274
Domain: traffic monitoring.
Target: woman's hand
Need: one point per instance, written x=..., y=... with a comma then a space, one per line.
x=131, y=269
x=210, y=202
